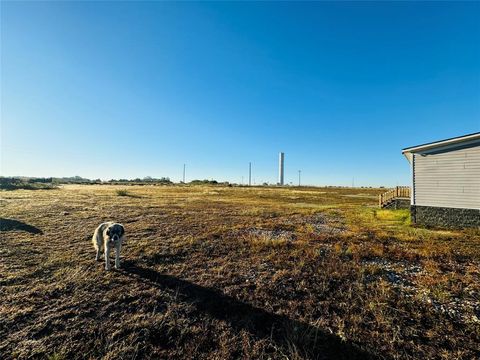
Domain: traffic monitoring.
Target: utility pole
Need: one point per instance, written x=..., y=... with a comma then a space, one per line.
x=281, y=169
x=184, y=173
x=249, y=174
x=299, y=173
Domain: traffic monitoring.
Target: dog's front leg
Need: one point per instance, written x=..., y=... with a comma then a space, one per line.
x=117, y=256
x=107, y=256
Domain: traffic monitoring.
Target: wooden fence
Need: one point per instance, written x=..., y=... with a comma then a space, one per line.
x=402, y=192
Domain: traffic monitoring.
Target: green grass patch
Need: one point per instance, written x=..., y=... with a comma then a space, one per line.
x=401, y=217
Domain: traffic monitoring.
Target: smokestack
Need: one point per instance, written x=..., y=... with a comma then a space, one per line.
x=281, y=160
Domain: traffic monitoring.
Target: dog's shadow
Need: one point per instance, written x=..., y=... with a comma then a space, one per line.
x=287, y=333
x=12, y=225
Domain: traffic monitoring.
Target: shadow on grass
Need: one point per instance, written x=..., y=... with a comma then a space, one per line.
x=128, y=194
x=11, y=225
x=135, y=196
x=306, y=340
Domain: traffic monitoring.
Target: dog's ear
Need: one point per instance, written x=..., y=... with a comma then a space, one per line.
x=122, y=230
x=108, y=232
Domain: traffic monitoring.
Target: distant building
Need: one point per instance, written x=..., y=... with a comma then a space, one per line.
x=446, y=182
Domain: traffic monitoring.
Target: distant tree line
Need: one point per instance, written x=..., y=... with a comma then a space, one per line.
x=13, y=183
x=37, y=183
x=206, y=182
x=146, y=180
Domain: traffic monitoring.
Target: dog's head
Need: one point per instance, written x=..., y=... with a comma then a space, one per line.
x=114, y=232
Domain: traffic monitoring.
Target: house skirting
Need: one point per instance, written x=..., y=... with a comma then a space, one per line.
x=445, y=217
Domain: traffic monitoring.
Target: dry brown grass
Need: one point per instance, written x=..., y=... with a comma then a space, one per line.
x=219, y=272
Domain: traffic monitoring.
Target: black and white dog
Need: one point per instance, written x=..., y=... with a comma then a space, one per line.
x=107, y=236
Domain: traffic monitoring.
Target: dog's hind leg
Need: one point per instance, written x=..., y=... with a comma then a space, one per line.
x=97, y=257
x=107, y=257
x=97, y=245
x=117, y=256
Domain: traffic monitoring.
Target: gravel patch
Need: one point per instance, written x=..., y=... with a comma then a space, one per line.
x=402, y=275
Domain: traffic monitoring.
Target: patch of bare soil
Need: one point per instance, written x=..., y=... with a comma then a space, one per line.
x=323, y=224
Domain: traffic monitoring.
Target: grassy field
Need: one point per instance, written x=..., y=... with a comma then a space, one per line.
x=222, y=272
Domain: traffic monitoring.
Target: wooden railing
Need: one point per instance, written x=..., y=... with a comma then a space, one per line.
x=402, y=192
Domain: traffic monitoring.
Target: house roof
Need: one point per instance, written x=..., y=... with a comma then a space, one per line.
x=441, y=143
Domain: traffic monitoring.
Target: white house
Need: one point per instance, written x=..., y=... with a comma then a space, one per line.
x=446, y=182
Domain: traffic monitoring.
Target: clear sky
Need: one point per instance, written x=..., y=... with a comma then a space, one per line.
x=124, y=90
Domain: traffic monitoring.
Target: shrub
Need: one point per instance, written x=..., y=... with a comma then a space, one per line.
x=204, y=182
x=122, y=193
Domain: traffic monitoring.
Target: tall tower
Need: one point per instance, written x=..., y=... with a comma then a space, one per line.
x=281, y=169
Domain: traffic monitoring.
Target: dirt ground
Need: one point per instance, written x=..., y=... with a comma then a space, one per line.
x=211, y=272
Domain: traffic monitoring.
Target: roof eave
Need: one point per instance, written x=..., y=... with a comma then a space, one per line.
x=453, y=141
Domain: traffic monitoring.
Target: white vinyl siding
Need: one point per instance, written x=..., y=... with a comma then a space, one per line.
x=448, y=179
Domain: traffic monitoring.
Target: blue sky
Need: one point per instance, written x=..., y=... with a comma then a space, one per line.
x=124, y=90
